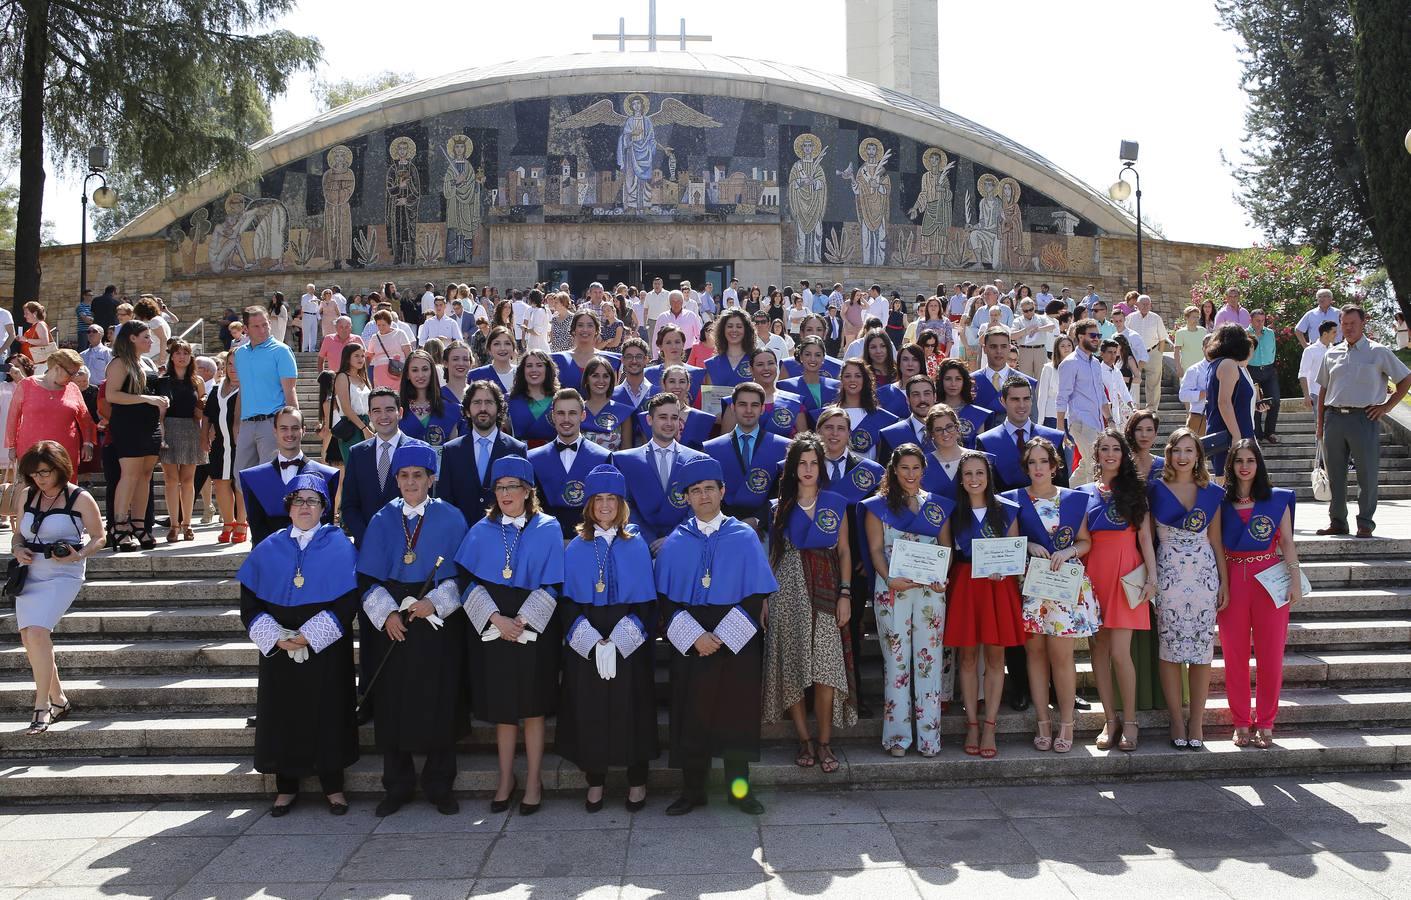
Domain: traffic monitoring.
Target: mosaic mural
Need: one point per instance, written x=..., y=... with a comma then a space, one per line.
x=427, y=193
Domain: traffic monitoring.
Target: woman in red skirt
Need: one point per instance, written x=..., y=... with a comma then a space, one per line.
x=1121, y=534
x=983, y=612
x=1254, y=517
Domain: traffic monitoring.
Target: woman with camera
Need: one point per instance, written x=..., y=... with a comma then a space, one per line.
x=50, y=553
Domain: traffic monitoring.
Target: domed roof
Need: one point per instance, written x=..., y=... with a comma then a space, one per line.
x=661, y=72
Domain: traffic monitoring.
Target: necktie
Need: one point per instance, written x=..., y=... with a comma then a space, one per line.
x=294, y=463
x=746, y=449
x=1019, y=441
x=994, y=380
x=482, y=462
x=384, y=463
x=663, y=462
x=837, y=470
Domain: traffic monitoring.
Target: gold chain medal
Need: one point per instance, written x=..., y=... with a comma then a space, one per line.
x=507, y=572
x=298, y=578
x=411, y=538
x=705, y=580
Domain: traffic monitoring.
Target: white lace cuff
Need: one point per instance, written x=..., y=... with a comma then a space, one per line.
x=378, y=605
x=538, y=609
x=479, y=606
x=683, y=631
x=736, y=629
x=583, y=637
x=266, y=632
x=445, y=598
x=628, y=634
x=321, y=630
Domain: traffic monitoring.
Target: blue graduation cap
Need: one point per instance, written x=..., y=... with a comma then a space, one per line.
x=702, y=468
x=414, y=453
x=307, y=482
x=605, y=479
x=512, y=467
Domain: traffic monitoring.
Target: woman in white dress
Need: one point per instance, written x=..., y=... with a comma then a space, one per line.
x=50, y=547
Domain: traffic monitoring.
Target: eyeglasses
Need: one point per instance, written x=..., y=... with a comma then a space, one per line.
x=1092, y=334
x=507, y=488
x=306, y=501
x=948, y=429
x=42, y=473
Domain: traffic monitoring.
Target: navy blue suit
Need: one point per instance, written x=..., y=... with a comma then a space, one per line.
x=653, y=511
x=1005, y=452
x=362, y=495
x=264, y=492
x=459, y=481
x=748, y=489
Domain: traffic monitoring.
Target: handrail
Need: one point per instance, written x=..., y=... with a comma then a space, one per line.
x=199, y=323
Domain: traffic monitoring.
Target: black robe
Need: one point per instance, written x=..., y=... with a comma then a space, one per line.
x=715, y=700
x=510, y=681
x=608, y=723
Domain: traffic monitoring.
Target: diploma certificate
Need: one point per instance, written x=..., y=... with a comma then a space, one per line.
x=1060, y=587
x=921, y=562
x=1276, y=581
x=998, y=556
x=711, y=395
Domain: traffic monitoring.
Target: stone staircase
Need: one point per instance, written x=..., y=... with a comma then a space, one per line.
x=162, y=678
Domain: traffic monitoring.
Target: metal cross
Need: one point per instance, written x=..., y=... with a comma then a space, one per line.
x=622, y=37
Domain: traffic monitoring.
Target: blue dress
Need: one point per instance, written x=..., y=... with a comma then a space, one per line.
x=1243, y=402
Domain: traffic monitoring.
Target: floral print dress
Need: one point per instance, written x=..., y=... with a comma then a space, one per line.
x=1080, y=619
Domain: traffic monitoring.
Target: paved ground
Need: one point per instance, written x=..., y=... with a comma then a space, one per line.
x=1345, y=837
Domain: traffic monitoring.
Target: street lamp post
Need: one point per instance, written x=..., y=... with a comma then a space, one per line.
x=104, y=198
x=1121, y=190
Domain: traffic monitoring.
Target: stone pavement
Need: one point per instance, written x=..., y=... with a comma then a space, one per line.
x=1345, y=836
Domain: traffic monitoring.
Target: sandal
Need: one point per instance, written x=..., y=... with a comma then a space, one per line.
x=1128, y=744
x=1104, y=737
x=827, y=762
x=805, y=759
x=173, y=534
x=1043, y=741
x=225, y=532
x=145, y=539
x=1063, y=744
x=969, y=748
x=36, y=726
x=989, y=752
x=126, y=537
x=1241, y=737
x=187, y=534
x=58, y=713
x=240, y=534
x=1263, y=738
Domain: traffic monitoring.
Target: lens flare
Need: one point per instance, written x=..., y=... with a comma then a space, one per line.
x=739, y=788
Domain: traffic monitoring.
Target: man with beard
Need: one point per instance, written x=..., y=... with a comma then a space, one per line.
x=466, y=461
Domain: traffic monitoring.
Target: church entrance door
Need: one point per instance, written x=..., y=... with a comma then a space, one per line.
x=580, y=273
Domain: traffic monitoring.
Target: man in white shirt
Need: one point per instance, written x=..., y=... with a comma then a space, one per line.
x=1312, y=361
x=522, y=311
x=1134, y=340
x=97, y=355
x=1030, y=332
x=730, y=297
x=654, y=303
x=1044, y=297
x=309, y=320
x=955, y=307
x=1118, y=394
x=1307, y=328
x=428, y=298
x=706, y=306
x=685, y=319
x=1081, y=403
x=1154, y=337
x=877, y=305
x=767, y=339
x=690, y=297
x=439, y=325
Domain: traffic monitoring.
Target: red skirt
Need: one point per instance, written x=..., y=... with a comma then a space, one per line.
x=1114, y=554
x=981, y=611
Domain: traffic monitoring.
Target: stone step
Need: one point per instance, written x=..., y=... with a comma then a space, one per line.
x=205, y=733
x=1356, y=573
x=863, y=764
x=110, y=623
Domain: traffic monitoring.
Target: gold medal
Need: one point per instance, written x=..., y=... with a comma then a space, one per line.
x=600, y=587
x=409, y=557
x=507, y=572
x=705, y=580
x=298, y=579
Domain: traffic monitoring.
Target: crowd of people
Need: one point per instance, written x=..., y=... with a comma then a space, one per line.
x=741, y=477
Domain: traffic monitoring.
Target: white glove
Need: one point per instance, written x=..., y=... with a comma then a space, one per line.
x=434, y=620
x=607, y=660
x=491, y=633
x=299, y=655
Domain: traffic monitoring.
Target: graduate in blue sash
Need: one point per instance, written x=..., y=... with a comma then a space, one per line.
x=783, y=412
x=298, y=595
x=811, y=385
x=428, y=415
x=910, y=361
x=809, y=550
x=990, y=378
x=536, y=381
x=921, y=395
x=911, y=615
x=499, y=344
x=608, y=714
x=608, y=423
x=417, y=693
x=984, y=614
x=749, y=457
x=813, y=325
x=943, y=462
x=1140, y=429
x=735, y=340
x=854, y=478
x=671, y=351
x=713, y=580
x=1054, y=521
x=512, y=569
x=265, y=486
x=857, y=396
x=561, y=467
x=1190, y=571
x=651, y=468
x=696, y=425
x=956, y=390
x=572, y=364
x=633, y=389
x=1006, y=440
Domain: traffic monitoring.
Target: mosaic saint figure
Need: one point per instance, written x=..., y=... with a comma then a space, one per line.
x=461, y=186
x=338, y=184
x=1011, y=224
x=872, y=192
x=984, y=234
x=636, y=141
x=808, y=196
x=266, y=217
x=403, y=199
x=933, y=203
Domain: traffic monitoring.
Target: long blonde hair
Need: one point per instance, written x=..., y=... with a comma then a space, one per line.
x=1199, y=474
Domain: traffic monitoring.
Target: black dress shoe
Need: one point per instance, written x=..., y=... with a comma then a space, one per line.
x=636, y=805
x=683, y=804
x=337, y=809
x=593, y=806
x=388, y=805
x=747, y=805
x=529, y=809
x=499, y=806
x=277, y=811
x=1080, y=703
x=447, y=805
x=1019, y=702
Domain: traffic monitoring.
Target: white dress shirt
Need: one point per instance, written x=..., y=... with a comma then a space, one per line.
x=1150, y=327
x=288, y=472
x=566, y=457
x=301, y=537
x=444, y=327
x=711, y=527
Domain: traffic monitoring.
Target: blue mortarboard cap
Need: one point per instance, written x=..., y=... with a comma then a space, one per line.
x=307, y=482
x=414, y=453
x=512, y=467
x=605, y=479
x=702, y=468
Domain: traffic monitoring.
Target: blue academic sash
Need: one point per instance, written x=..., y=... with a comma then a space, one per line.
x=749, y=487
x=868, y=432
x=570, y=375
x=1263, y=526
x=525, y=425
x=1072, y=508
x=1167, y=510
x=819, y=531
x=892, y=398
x=1102, y=514
x=694, y=432
x=827, y=392
x=653, y=374
x=726, y=375
x=935, y=479
x=966, y=529
x=562, y=488
x=608, y=419
x=831, y=367
x=928, y=519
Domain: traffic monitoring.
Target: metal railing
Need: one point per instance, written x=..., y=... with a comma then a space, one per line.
x=201, y=342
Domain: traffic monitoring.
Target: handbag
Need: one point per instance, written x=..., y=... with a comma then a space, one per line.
x=394, y=366
x=1132, y=585
x=15, y=575
x=346, y=431
x=1216, y=443
x=1322, y=489
x=40, y=353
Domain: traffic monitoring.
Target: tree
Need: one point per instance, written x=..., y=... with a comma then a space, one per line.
x=1381, y=48
x=139, y=75
x=334, y=94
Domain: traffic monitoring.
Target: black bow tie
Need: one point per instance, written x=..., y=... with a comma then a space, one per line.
x=291, y=463
x=560, y=447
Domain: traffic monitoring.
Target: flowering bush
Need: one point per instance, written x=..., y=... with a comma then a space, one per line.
x=1284, y=285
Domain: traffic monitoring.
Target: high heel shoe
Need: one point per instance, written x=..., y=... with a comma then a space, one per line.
x=635, y=805
x=240, y=534
x=499, y=806
x=592, y=806
x=145, y=539
x=1043, y=740
x=1104, y=737
x=187, y=534
x=1128, y=744
x=972, y=749
x=225, y=531
x=989, y=752
x=127, y=538
x=1063, y=744
x=528, y=809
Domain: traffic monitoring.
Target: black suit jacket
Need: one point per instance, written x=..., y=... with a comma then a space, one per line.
x=363, y=496
x=459, y=480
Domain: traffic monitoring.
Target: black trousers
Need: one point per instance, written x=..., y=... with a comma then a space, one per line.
x=636, y=776
x=328, y=782
x=112, y=471
x=861, y=591
x=694, y=778
x=1016, y=663
x=1267, y=378
x=437, y=775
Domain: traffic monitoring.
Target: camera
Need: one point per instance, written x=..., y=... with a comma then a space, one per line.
x=60, y=550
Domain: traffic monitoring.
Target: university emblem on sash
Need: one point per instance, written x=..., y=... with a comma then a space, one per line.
x=863, y=479
x=607, y=421
x=573, y=493
x=435, y=435
x=861, y=440
x=1261, y=527
x=783, y=416
x=677, y=499
x=827, y=521
x=1114, y=516
x=967, y=428
x=1195, y=520
x=1063, y=537
x=743, y=369
x=933, y=513
x=757, y=480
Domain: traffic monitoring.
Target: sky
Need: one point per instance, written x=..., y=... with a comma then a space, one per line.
x=1069, y=80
